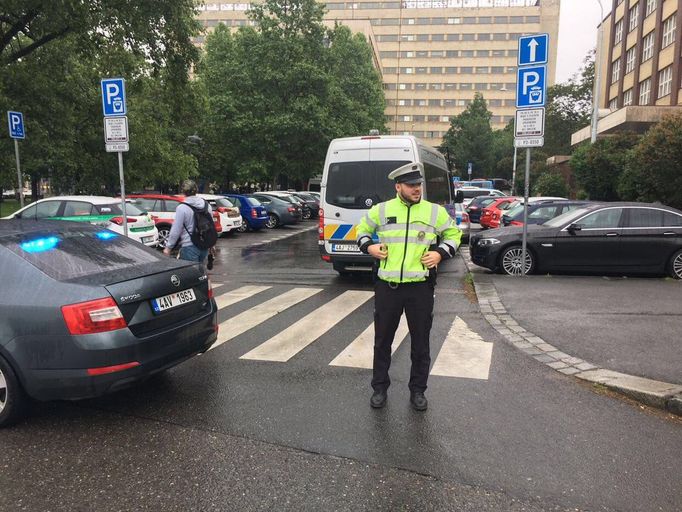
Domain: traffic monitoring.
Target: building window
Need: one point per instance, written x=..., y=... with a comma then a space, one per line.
x=650, y=7
x=481, y=87
x=466, y=69
x=466, y=53
x=438, y=53
x=648, y=46
x=630, y=59
x=499, y=37
x=665, y=80
x=438, y=37
x=453, y=37
x=482, y=53
x=468, y=37
x=634, y=17
x=645, y=91
x=613, y=104
x=422, y=37
x=454, y=21
x=481, y=69
x=669, y=26
x=627, y=97
x=618, y=32
x=434, y=103
x=435, y=70
x=615, y=73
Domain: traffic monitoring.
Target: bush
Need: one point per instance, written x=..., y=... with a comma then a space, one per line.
x=551, y=184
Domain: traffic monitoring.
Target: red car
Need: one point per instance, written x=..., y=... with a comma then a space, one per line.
x=162, y=208
x=491, y=215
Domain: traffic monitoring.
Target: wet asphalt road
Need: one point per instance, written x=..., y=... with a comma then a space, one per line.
x=223, y=433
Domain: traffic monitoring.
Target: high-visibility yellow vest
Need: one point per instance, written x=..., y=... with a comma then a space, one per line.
x=408, y=231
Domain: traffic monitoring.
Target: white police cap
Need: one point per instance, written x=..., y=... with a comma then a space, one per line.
x=412, y=174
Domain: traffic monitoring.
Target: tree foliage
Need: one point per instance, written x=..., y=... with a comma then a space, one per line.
x=551, y=184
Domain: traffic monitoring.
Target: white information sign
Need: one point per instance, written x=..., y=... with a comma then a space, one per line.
x=530, y=123
x=529, y=142
x=117, y=146
x=115, y=129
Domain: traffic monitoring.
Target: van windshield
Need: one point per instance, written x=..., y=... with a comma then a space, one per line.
x=360, y=185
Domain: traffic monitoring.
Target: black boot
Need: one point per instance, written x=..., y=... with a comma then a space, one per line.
x=419, y=401
x=378, y=399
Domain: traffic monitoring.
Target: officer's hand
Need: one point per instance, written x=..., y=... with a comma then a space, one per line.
x=431, y=259
x=167, y=251
x=379, y=251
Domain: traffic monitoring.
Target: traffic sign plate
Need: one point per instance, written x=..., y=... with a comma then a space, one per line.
x=113, y=97
x=16, y=125
x=115, y=129
x=529, y=142
x=117, y=146
x=531, y=87
x=530, y=123
x=533, y=49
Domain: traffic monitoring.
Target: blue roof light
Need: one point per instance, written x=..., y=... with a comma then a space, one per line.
x=105, y=235
x=40, y=244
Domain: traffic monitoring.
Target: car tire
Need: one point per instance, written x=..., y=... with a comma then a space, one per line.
x=273, y=221
x=243, y=228
x=675, y=265
x=12, y=397
x=306, y=214
x=510, y=261
x=164, y=232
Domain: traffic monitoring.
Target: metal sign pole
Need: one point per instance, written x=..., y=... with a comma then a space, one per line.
x=123, y=193
x=19, y=180
x=525, y=214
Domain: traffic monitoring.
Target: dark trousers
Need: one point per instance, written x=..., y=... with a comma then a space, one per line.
x=416, y=299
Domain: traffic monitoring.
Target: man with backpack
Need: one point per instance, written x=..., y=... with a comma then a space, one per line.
x=193, y=227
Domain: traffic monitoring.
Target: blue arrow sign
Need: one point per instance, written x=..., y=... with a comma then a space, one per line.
x=533, y=49
x=16, y=125
x=531, y=87
x=114, y=97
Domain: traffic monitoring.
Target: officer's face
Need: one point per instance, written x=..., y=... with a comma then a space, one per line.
x=409, y=193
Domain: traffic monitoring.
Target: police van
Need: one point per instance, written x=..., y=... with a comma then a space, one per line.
x=355, y=177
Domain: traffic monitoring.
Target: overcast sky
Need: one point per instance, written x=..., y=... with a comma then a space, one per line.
x=577, y=34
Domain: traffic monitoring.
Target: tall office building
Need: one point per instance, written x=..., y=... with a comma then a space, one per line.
x=435, y=55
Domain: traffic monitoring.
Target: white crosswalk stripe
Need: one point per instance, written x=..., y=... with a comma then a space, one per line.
x=234, y=296
x=249, y=319
x=463, y=354
x=298, y=336
x=360, y=353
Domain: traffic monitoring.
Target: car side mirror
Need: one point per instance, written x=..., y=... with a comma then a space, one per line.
x=574, y=228
x=459, y=196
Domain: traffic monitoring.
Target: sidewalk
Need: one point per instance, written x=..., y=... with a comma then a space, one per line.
x=604, y=331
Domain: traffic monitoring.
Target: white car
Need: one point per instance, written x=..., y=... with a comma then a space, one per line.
x=471, y=192
x=230, y=218
x=98, y=210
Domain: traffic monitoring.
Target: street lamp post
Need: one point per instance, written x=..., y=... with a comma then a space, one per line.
x=597, y=76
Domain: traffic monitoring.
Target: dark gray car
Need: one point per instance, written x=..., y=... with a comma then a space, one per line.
x=280, y=211
x=85, y=311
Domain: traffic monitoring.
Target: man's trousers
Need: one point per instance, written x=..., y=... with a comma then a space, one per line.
x=416, y=299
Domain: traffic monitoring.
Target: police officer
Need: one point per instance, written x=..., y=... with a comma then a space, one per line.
x=414, y=236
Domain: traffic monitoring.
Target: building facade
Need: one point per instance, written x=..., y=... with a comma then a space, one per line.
x=435, y=55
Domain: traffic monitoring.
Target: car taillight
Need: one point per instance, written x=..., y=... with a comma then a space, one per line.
x=254, y=213
x=100, y=315
x=119, y=220
x=103, y=370
x=291, y=209
x=320, y=228
x=154, y=217
x=516, y=223
x=222, y=209
x=210, y=290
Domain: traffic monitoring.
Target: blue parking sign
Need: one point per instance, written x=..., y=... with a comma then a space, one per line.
x=113, y=97
x=531, y=87
x=533, y=49
x=16, y=125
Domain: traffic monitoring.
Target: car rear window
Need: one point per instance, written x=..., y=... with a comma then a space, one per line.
x=71, y=254
x=225, y=203
x=253, y=201
x=359, y=185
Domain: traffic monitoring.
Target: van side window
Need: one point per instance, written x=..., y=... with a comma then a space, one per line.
x=437, y=185
x=360, y=185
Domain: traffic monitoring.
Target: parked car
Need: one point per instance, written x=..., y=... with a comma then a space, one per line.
x=470, y=192
x=102, y=211
x=491, y=215
x=311, y=202
x=254, y=214
x=280, y=211
x=289, y=197
x=612, y=237
x=540, y=211
x=230, y=217
x=462, y=219
x=101, y=312
x=162, y=207
x=476, y=205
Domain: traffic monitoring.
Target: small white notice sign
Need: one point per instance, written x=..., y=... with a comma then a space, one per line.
x=115, y=129
x=530, y=123
x=529, y=142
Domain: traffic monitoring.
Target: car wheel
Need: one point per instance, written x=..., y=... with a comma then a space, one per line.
x=12, y=396
x=306, y=214
x=164, y=232
x=675, y=266
x=273, y=221
x=243, y=228
x=510, y=261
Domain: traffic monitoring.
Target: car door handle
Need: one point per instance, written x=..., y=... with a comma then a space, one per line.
x=611, y=234
x=669, y=233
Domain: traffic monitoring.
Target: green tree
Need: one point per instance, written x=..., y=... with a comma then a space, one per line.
x=551, y=184
x=470, y=138
x=598, y=167
x=653, y=169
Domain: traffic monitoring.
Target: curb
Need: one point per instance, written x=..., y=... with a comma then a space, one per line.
x=662, y=395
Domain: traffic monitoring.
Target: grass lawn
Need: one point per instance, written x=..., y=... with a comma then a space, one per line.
x=9, y=206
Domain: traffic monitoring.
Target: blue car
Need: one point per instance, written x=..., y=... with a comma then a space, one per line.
x=251, y=210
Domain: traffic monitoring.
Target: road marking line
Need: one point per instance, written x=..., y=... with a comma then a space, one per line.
x=463, y=354
x=241, y=323
x=298, y=336
x=234, y=296
x=360, y=353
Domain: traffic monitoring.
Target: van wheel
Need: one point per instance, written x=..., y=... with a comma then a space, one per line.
x=12, y=397
x=675, y=265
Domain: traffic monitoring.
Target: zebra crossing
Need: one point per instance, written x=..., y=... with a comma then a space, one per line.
x=463, y=354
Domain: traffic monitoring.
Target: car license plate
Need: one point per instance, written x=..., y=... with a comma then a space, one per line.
x=147, y=239
x=173, y=300
x=345, y=248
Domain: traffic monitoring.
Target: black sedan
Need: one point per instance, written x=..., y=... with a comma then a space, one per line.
x=613, y=237
x=85, y=311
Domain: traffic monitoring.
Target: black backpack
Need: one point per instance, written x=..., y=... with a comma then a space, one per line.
x=204, y=235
